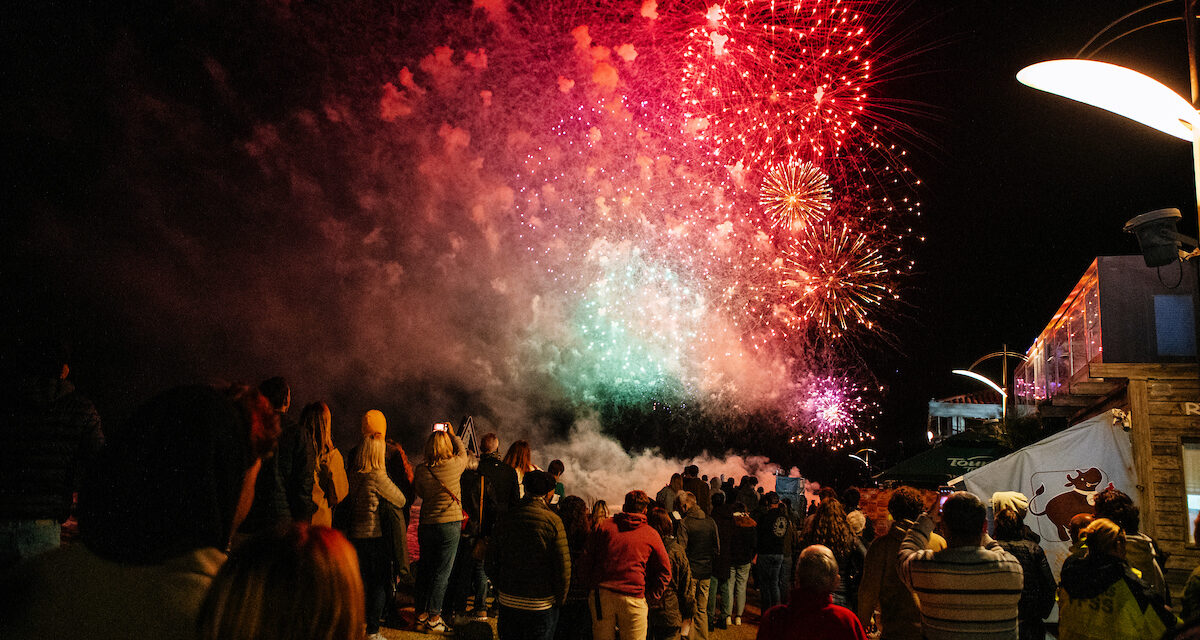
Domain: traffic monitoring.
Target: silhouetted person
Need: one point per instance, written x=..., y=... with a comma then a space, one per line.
x=697, y=487
x=285, y=484
x=50, y=435
x=156, y=517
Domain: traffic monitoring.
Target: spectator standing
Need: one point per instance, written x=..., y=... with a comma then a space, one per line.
x=556, y=470
x=156, y=517
x=741, y=545
x=1037, y=595
x=371, y=493
x=330, y=484
x=811, y=612
x=899, y=618
x=1100, y=598
x=574, y=620
x=746, y=493
x=520, y=458
x=678, y=602
x=1141, y=552
x=697, y=487
x=666, y=495
x=697, y=534
x=530, y=564
x=860, y=524
x=285, y=484
x=774, y=530
x=299, y=583
x=971, y=588
x=828, y=527
x=599, y=513
x=1075, y=527
x=437, y=480
x=502, y=486
x=627, y=565
x=718, y=602
x=51, y=436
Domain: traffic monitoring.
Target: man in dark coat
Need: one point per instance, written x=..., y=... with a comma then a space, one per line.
x=697, y=487
x=51, y=434
x=697, y=534
x=283, y=493
x=530, y=564
x=678, y=602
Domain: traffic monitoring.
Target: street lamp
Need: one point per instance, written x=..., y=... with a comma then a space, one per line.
x=1000, y=390
x=1124, y=92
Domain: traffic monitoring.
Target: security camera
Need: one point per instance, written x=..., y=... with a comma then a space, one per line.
x=1156, y=236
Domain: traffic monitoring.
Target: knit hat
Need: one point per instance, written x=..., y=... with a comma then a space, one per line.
x=538, y=482
x=1014, y=500
x=857, y=522
x=373, y=423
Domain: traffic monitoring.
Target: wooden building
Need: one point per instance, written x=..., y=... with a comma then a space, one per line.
x=1125, y=339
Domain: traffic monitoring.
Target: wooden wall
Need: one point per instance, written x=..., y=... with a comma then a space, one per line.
x=1159, y=422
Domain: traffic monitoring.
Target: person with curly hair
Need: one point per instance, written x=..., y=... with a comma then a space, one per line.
x=898, y=616
x=1141, y=551
x=828, y=527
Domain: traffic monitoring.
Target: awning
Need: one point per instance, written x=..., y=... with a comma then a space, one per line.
x=942, y=463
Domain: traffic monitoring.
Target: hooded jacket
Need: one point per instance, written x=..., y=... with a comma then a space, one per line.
x=627, y=556
x=698, y=535
x=1100, y=598
x=678, y=602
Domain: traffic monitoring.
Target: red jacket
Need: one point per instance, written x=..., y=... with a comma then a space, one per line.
x=626, y=555
x=810, y=615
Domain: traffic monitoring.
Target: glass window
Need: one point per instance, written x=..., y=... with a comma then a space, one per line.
x=1191, y=483
x=1173, y=325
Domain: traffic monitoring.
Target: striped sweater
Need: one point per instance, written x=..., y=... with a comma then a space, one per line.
x=963, y=592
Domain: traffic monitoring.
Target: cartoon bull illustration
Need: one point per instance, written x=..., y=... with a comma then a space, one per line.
x=1080, y=499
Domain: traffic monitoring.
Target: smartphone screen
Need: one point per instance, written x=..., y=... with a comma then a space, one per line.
x=441, y=426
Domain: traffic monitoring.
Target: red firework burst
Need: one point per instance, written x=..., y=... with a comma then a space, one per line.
x=775, y=78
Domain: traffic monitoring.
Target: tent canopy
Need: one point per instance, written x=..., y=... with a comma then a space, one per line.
x=944, y=462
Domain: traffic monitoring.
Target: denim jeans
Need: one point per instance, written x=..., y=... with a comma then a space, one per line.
x=519, y=624
x=438, y=544
x=375, y=567
x=739, y=575
x=713, y=590
x=785, y=579
x=769, y=568
x=21, y=539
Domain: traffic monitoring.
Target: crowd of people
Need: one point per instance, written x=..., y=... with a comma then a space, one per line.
x=211, y=514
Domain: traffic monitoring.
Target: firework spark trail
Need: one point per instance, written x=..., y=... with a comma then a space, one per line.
x=833, y=410
x=658, y=278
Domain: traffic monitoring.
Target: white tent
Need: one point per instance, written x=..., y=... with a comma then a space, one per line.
x=1061, y=475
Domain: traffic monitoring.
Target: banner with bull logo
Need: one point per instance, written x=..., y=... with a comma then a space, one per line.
x=1061, y=476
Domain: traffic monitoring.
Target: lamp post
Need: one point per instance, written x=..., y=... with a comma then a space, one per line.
x=1002, y=389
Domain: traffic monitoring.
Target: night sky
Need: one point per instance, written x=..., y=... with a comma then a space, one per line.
x=129, y=211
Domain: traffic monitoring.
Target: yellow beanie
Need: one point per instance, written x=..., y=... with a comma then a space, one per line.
x=373, y=423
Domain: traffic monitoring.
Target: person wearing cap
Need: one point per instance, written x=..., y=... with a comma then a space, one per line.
x=529, y=563
x=370, y=488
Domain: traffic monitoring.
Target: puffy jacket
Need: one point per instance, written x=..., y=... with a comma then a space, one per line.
x=439, y=488
x=698, y=535
x=625, y=554
x=51, y=435
x=528, y=555
x=1037, y=596
x=1100, y=598
x=678, y=602
x=366, y=490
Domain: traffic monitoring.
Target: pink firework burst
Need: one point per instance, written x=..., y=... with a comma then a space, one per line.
x=833, y=411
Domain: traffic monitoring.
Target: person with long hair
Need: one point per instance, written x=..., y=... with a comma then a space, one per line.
x=370, y=487
x=520, y=457
x=599, y=513
x=330, y=484
x=437, y=481
x=828, y=527
x=1101, y=597
x=296, y=583
x=1037, y=596
x=574, y=621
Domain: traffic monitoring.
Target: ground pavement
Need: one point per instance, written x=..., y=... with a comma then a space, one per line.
x=747, y=630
